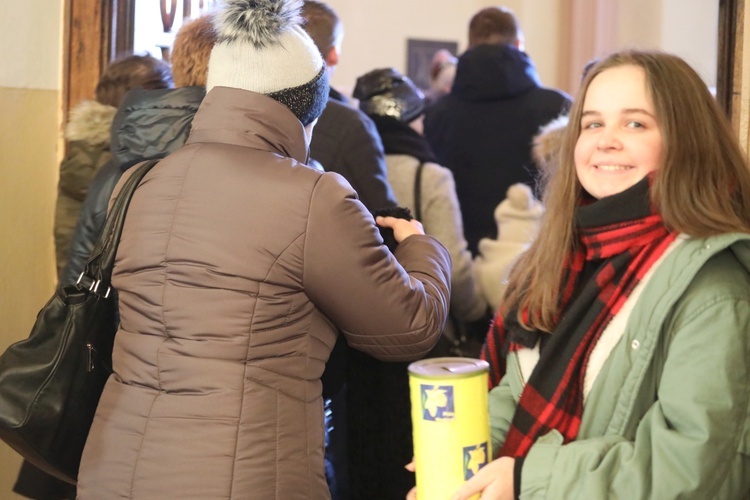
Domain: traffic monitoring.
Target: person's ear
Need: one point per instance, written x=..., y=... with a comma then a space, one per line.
x=332, y=58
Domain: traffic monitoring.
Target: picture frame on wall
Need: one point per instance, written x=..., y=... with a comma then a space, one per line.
x=419, y=55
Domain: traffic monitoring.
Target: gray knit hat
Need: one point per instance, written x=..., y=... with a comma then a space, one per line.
x=261, y=47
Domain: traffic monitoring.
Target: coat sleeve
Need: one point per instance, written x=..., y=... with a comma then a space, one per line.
x=502, y=408
x=391, y=309
x=685, y=443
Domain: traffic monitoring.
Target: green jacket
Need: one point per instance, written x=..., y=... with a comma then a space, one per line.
x=667, y=416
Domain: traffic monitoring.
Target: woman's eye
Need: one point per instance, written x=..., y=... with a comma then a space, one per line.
x=590, y=125
x=635, y=124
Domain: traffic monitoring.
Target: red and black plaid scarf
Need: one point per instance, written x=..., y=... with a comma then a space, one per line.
x=619, y=240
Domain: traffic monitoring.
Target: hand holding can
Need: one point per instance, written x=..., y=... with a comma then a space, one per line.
x=450, y=421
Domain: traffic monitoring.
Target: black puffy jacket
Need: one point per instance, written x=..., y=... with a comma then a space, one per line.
x=149, y=124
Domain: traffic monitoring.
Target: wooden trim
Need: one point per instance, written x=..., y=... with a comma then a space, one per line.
x=86, y=49
x=724, y=71
x=94, y=31
x=124, y=21
x=66, y=59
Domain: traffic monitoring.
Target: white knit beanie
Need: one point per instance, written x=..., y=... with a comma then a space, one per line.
x=262, y=48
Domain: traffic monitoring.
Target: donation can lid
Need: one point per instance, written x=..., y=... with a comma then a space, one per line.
x=442, y=368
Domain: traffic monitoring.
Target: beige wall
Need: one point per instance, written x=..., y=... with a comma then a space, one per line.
x=376, y=32
x=688, y=28
x=29, y=125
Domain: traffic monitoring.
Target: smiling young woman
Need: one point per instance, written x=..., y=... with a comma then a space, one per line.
x=620, y=349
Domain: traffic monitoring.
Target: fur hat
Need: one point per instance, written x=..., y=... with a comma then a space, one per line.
x=191, y=51
x=261, y=47
x=386, y=92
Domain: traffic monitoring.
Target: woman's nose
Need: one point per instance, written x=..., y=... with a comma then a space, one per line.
x=608, y=139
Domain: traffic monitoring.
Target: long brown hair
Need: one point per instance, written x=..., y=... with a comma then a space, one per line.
x=129, y=72
x=702, y=187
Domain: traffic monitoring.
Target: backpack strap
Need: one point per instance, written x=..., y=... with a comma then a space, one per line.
x=418, y=192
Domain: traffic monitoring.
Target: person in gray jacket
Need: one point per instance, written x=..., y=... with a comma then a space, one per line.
x=396, y=106
x=619, y=360
x=237, y=268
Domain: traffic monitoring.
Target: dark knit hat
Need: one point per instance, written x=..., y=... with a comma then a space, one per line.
x=386, y=92
x=261, y=47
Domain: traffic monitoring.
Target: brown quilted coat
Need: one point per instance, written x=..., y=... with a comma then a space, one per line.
x=237, y=266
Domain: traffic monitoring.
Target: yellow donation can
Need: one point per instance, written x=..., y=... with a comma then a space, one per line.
x=450, y=417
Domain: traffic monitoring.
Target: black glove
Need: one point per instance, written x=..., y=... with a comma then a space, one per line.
x=386, y=232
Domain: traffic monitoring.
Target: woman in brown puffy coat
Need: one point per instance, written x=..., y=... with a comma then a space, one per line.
x=238, y=267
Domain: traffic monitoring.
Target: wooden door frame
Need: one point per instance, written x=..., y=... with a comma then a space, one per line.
x=729, y=60
x=95, y=32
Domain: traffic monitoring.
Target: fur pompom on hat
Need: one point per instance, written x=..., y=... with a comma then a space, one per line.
x=386, y=92
x=518, y=215
x=261, y=47
x=518, y=218
x=191, y=51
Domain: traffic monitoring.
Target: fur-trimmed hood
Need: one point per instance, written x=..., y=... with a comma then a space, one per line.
x=546, y=145
x=151, y=124
x=90, y=122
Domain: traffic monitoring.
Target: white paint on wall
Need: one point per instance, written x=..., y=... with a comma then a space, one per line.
x=687, y=28
x=690, y=29
x=32, y=55
x=376, y=33
x=540, y=22
x=639, y=24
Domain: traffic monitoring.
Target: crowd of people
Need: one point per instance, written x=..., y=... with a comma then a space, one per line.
x=295, y=249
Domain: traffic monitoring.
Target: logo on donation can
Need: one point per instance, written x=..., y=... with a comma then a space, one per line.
x=475, y=457
x=437, y=402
